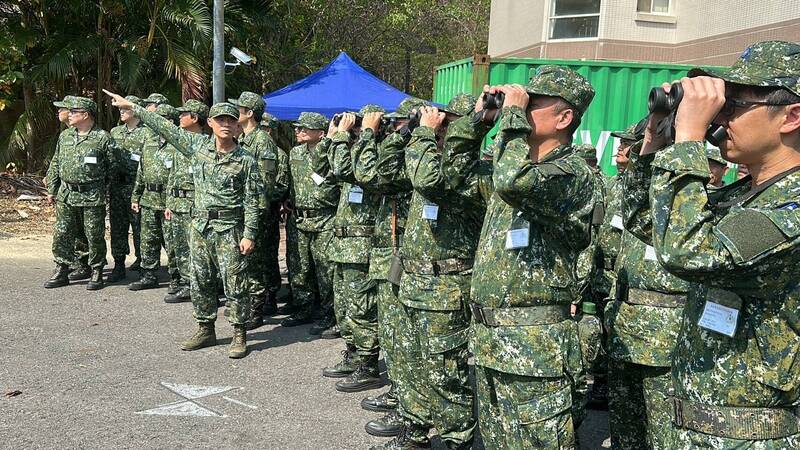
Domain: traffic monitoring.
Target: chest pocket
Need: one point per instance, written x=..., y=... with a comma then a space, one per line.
x=228, y=175
x=92, y=165
x=268, y=162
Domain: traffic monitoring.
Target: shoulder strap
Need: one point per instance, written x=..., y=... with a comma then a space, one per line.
x=755, y=192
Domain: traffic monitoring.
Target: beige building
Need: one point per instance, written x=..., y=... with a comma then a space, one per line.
x=709, y=32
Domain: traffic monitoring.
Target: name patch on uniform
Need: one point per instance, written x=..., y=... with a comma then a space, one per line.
x=430, y=211
x=790, y=206
x=191, y=169
x=168, y=163
x=650, y=253
x=135, y=157
x=90, y=159
x=356, y=195
x=616, y=222
x=519, y=235
x=719, y=318
x=317, y=178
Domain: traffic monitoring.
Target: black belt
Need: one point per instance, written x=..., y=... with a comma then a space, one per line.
x=309, y=213
x=210, y=214
x=81, y=187
x=649, y=298
x=183, y=193
x=354, y=231
x=441, y=267
x=520, y=316
x=154, y=187
x=745, y=423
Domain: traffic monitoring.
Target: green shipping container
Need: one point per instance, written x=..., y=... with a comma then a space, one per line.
x=621, y=90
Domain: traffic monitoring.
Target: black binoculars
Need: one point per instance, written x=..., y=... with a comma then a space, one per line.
x=662, y=102
x=493, y=101
x=338, y=118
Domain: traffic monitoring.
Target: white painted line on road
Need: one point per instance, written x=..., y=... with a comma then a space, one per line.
x=188, y=405
x=239, y=403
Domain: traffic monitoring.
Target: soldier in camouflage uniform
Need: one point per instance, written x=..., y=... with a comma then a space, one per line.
x=379, y=166
x=84, y=162
x=444, y=221
x=149, y=198
x=313, y=199
x=734, y=369
x=224, y=219
x=130, y=137
x=717, y=165
x=524, y=340
x=180, y=199
x=354, y=226
x=154, y=100
x=273, y=173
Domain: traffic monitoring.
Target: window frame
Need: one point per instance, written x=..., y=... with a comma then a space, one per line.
x=551, y=18
x=668, y=13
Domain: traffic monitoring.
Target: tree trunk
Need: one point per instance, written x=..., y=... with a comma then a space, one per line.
x=30, y=137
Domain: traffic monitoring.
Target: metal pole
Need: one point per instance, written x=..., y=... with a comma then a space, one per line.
x=407, y=81
x=218, y=72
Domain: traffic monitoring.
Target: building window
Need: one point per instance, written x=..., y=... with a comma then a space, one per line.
x=574, y=19
x=653, y=6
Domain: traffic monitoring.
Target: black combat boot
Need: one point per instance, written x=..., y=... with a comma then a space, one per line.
x=387, y=426
x=322, y=325
x=59, y=278
x=137, y=264
x=205, y=336
x=81, y=273
x=96, y=282
x=385, y=402
x=345, y=367
x=174, y=286
x=118, y=273
x=404, y=441
x=183, y=295
x=297, y=320
x=148, y=281
x=365, y=377
x=331, y=333
x=256, y=318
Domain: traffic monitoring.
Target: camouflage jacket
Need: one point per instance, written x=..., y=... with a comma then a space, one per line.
x=553, y=200
x=639, y=332
x=228, y=181
x=130, y=143
x=272, y=162
x=589, y=263
x=609, y=237
x=181, y=178
x=444, y=218
x=739, y=249
x=158, y=157
x=311, y=192
x=380, y=167
x=86, y=163
x=354, y=223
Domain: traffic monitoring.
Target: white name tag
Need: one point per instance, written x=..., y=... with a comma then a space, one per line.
x=191, y=169
x=318, y=179
x=616, y=222
x=650, y=253
x=519, y=236
x=430, y=211
x=135, y=157
x=168, y=163
x=719, y=318
x=90, y=159
x=356, y=195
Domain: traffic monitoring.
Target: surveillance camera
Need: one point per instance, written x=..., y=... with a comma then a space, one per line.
x=243, y=57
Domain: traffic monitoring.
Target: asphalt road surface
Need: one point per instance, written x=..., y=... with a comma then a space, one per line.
x=103, y=369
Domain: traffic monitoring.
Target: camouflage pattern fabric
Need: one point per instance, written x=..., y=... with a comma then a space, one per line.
x=180, y=179
x=155, y=98
x=608, y=239
x=81, y=167
x=312, y=121
x=553, y=199
x=250, y=100
x=461, y=104
x=81, y=246
x=310, y=272
x=223, y=182
x=558, y=81
x=130, y=143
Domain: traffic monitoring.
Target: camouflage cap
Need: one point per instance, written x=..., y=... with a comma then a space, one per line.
x=195, y=107
x=713, y=154
x=312, y=121
x=406, y=106
x=557, y=81
x=167, y=111
x=64, y=103
x=366, y=109
x=224, y=109
x=268, y=120
x=82, y=103
x=586, y=151
x=461, y=104
x=156, y=98
x=249, y=100
x=134, y=99
x=769, y=63
x=629, y=134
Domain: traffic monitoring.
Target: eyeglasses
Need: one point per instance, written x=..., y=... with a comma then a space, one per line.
x=729, y=108
x=301, y=129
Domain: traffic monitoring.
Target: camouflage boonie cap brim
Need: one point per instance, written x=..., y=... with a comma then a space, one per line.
x=366, y=109
x=406, y=106
x=168, y=111
x=82, y=103
x=224, y=109
x=586, y=151
x=629, y=134
x=156, y=98
x=461, y=104
x=312, y=121
x=556, y=81
x=249, y=100
x=713, y=154
x=64, y=103
x=769, y=64
x=134, y=99
x=268, y=120
x=195, y=107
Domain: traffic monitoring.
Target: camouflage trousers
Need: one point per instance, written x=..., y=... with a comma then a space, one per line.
x=122, y=218
x=440, y=393
x=272, y=243
x=81, y=248
x=399, y=353
x=355, y=306
x=216, y=254
x=519, y=412
x=154, y=237
x=639, y=406
x=71, y=223
x=310, y=270
x=179, y=242
x=262, y=272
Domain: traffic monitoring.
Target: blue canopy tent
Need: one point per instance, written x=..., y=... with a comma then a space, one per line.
x=342, y=85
